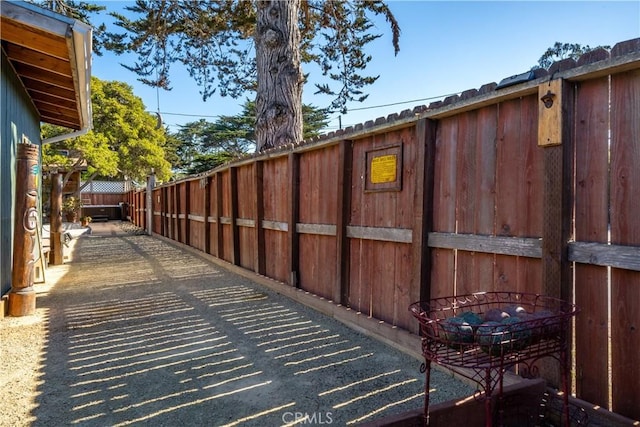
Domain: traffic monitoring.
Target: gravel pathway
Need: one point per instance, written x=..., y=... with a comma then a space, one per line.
x=137, y=331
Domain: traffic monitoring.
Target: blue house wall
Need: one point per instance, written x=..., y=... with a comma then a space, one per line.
x=19, y=120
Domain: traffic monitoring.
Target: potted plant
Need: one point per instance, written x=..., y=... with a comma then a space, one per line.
x=85, y=220
x=71, y=208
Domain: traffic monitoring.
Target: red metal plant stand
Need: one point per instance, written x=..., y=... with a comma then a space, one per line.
x=483, y=354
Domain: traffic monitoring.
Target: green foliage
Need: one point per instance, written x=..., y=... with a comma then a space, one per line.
x=71, y=205
x=212, y=40
x=560, y=51
x=125, y=140
x=203, y=145
x=205, y=162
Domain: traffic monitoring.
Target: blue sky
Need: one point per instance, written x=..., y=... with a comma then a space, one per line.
x=445, y=47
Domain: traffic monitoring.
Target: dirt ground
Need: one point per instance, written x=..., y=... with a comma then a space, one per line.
x=133, y=330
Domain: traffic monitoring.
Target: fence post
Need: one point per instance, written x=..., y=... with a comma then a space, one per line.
x=554, y=136
x=423, y=212
x=294, y=209
x=187, y=211
x=341, y=291
x=555, y=140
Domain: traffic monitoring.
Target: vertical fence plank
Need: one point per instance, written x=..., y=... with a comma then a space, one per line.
x=157, y=207
x=188, y=185
x=466, y=200
x=591, y=225
x=487, y=128
x=197, y=222
x=625, y=230
x=233, y=213
x=318, y=173
x=163, y=211
x=219, y=213
x=184, y=209
x=166, y=203
x=519, y=195
x=175, y=224
x=444, y=206
x=172, y=211
x=246, y=211
x=276, y=212
x=206, y=212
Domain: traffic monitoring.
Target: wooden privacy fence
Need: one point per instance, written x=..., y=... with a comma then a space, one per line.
x=532, y=187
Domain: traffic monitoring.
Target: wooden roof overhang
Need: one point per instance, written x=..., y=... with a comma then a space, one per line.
x=51, y=54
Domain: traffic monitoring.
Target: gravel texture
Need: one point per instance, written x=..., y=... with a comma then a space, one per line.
x=135, y=331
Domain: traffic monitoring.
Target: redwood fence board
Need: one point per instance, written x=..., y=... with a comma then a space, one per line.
x=444, y=205
x=625, y=230
x=275, y=184
x=592, y=218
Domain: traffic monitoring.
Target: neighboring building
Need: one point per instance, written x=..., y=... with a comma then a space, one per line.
x=45, y=77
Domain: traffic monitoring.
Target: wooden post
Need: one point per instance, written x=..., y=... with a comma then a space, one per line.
x=555, y=140
x=22, y=297
x=550, y=137
x=56, y=255
x=341, y=291
x=294, y=209
x=423, y=213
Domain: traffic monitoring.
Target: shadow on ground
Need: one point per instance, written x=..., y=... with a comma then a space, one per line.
x=140, y=331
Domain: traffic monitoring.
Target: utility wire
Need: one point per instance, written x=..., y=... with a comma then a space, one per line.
x=402, y=102
x=350, y=110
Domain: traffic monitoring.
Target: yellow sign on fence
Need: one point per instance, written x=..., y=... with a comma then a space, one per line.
x=383, y=169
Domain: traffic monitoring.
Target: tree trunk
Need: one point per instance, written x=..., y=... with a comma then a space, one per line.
x=280, y=80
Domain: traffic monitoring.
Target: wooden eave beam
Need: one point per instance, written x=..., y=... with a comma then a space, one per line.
x=34, y=39
x=47, y=98
x=61, y=114
x=60, y=122
x=39, y=60
x=59, y=89
x=27, y=71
